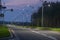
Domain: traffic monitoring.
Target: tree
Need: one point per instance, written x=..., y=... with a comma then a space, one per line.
x=51, y=15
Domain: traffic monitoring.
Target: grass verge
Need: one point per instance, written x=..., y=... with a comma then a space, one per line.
x=55, y=29
x=4, y=31
x=48, y=28
x=42, y=28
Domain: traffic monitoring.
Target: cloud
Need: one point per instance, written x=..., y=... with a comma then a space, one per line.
x=21, y=2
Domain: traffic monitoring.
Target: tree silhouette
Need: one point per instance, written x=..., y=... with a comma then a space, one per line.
x=51, y=15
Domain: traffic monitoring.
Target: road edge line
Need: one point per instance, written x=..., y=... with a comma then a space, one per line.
x=15, y=35
x=46, y=35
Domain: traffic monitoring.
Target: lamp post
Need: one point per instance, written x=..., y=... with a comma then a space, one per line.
x=3, y=10
x=18, y=16
x=42, y=17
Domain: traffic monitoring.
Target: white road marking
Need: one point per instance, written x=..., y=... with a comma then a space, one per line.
x=16, y=37
x=45, y=35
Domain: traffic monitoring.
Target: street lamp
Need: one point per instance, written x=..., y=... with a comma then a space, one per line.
x=5, y=11
x=18, y=16
x=42, y=17
x=2, y=11
x=42, y=13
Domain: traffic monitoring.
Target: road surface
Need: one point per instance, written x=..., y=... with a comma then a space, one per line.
x=29, y=34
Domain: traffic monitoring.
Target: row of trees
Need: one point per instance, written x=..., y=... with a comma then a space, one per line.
x=51, y=15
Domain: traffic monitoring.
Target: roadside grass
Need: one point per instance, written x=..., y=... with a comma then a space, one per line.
x=55, y=29
x=4, y=32
x=48, y=28
x=41, y=28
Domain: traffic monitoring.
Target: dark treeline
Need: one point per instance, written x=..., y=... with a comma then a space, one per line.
x=51, y=14
x=16, y=23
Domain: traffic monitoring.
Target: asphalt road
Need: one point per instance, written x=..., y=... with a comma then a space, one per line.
x=29, y=34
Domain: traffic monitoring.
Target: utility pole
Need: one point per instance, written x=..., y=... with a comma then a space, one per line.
x=42, y=18
x=2, y=11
